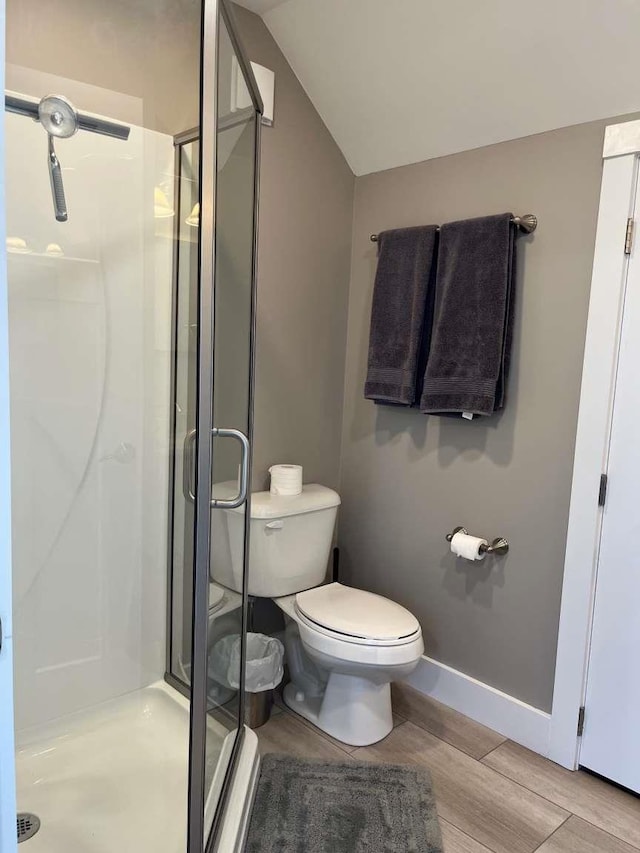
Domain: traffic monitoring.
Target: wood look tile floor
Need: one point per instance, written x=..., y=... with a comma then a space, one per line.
x=493, y=796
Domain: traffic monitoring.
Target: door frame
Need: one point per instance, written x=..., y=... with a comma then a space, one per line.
x=606, y=305
x=242, y=770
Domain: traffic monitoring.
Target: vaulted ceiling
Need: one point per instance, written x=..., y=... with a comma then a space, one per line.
x=399, y=81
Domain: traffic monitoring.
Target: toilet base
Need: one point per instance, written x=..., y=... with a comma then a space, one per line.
x=352, y=709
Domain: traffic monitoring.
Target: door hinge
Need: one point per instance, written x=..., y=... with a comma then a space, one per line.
x=628, y=237
x=602, y=492
x=581, y=722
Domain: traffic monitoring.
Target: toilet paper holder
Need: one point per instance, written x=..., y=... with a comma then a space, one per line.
x=499, y=546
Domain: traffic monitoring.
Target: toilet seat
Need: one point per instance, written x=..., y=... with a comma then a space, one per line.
x=355, y=616
x=335, y=647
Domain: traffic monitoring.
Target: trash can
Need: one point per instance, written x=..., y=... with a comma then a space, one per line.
x=257, y=708
x=263, y=671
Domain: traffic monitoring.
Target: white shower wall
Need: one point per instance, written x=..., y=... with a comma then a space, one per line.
x=90, y=353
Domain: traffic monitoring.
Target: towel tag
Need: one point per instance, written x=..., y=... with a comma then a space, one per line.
x=468, y=415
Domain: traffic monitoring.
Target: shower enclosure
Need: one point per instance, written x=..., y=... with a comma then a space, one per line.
x=132, y=142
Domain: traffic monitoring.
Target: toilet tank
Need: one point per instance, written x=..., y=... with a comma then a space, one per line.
x=290, y=541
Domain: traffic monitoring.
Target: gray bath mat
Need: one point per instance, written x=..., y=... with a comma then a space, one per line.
x=327, y=807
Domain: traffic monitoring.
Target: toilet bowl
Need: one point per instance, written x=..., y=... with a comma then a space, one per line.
x=344, y=646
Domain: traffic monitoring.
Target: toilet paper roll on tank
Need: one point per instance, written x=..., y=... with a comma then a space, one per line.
x=286, y=479
x=468, y=547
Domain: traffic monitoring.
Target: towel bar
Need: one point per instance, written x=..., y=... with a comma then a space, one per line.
x=527, y=224
x=499, y=546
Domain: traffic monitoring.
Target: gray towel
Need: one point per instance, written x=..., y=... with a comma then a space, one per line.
x=405, y=261
x=471, y=344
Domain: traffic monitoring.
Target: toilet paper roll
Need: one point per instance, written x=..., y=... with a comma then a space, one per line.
x=286, y=479
x=463, y=545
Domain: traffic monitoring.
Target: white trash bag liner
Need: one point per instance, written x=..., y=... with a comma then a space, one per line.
x=263, y=670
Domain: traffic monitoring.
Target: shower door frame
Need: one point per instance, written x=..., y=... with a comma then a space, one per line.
x=212, y=12
x=180, y=140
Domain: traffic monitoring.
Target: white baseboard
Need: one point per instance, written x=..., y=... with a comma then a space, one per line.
x=498, y=711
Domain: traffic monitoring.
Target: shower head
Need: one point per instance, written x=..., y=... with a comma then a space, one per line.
x=58, y=116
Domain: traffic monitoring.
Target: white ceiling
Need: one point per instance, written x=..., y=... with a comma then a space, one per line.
x=399, y=81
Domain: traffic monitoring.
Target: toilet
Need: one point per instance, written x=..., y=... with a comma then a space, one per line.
x=344, y=646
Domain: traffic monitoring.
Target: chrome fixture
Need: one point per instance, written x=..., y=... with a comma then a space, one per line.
x=527, y=224
x=27, y=824
x=188, y=468
x=499, y=546
x=25, y=107
x=59, y=118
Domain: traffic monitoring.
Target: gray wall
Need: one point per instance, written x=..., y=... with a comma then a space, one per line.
x=407, y=479
x=306, y=207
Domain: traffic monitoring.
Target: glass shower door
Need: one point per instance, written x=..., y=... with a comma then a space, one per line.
x=213, y=375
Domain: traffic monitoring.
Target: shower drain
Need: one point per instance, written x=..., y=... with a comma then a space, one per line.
x=27, y=825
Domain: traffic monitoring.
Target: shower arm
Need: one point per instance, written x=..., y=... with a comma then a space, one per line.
x=25, y=107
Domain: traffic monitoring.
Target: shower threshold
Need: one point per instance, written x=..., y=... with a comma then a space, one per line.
x=114, y=777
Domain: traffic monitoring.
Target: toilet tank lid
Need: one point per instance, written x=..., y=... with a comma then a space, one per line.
x=312, y=498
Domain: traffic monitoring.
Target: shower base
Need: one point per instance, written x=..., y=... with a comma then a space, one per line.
x=114, y=777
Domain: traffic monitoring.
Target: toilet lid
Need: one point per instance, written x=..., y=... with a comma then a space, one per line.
x=356, y=613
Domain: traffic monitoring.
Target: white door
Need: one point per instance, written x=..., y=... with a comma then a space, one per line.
x=611, y=739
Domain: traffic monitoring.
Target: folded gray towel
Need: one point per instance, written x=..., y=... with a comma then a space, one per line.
x=405, y=261
x=471, y=344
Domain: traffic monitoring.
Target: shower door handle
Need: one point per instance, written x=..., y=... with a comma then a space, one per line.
x=232, y=503
x=188, y=465
x=188, y=468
